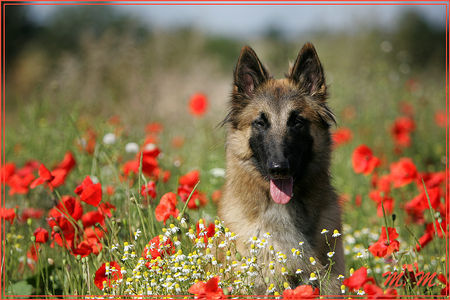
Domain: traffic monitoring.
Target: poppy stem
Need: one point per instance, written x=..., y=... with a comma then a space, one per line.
x=385, y=221
x=431, y=209
x=188, y=199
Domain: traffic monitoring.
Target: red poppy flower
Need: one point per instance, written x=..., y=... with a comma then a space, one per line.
x=198, y=104
x=376, y=292
x=149, y=162
x=205, y=232
x=301, y=292
x=154, y=128
x=419, y=204
x=166, y=207
x=41, y=235
x=87, y=246
x=89, y=192
x=358, y=200
x=93, y=217
x=440, y=118
x=7, y=171
x=383, y=247
x=154, y=248
x=19, y=183
x=68, y=162
x=401, y=130
x=32, y=253
x=110, y=190
x=357, y=280
x=131, y=166
x=105, y=209
x=113, y=274
x=8, y=214
x=207, y=290
x=149, y=189
x=45, y=176
x=342, y=136
x=31, y=213
x=93, y=233
x=197, y=200
x=385, y=200
x=29, y=167
x=403, y=172
x=363, y=160
x=430, y=231
x=443, y=280
x=83, y=249
x=431, y=180
x=68, y=208
x=190, y=179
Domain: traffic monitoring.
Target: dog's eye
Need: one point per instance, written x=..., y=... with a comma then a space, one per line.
x=261, y=122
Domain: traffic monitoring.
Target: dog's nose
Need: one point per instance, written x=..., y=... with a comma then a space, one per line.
x=279, y=169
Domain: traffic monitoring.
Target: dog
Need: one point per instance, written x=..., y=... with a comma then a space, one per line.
x=278, y=149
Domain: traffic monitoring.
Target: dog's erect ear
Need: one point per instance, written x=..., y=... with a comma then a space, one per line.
x=249, y=72
x=307, y=72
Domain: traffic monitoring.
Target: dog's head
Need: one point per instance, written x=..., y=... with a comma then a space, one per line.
x=279, y=129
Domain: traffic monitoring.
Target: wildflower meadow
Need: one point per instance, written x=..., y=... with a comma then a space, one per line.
x=119, y=199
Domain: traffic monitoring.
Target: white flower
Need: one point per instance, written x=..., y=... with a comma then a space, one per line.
x=299, y=271
x=150, y=147
x=217, y=172
x=131, y=148
x=137, y=234
x=336, y=233
x=340, y=276
x=94, y=179
x=109, y=139
x=312, y=260
x=330, y=254
x=324, y=231
x=312, y=277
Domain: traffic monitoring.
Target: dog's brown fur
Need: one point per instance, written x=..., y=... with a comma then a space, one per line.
x=246, y=206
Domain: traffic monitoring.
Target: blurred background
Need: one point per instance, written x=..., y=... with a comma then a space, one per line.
x=145, y=61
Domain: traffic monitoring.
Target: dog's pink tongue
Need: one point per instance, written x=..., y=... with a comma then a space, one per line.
x=281, y=190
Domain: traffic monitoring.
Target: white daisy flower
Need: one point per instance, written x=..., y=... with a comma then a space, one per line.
x=109, y=138
x=312, y=276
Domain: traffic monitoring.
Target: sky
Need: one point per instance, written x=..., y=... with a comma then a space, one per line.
x=247, y=20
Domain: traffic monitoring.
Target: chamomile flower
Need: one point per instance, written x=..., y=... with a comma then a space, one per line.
x=312, y=276
x=299, y=271
x=267, y=235
x=137, y=233
x=340, y=276
x=271, y=288
x=312, y=260
x=336, y=233
x=283, y=271
x=360, y=292
x=324, y=231
x=330, y=254
x=343, y=289
x=191, y=234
